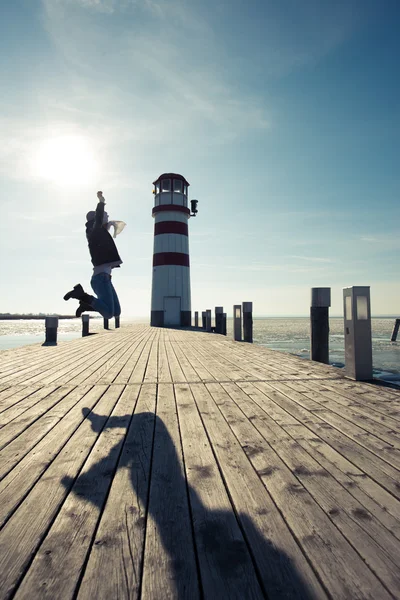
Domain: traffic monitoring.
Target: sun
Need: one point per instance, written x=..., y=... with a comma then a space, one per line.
x=66, y=160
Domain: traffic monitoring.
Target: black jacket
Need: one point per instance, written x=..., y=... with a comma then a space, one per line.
x=102, y=247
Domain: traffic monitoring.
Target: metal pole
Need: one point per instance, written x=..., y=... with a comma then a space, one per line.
x=395, y=330
x=116, y=322
x=247, y=322
x=106, y=323
x=237, y=322
x=224, y=324
x=203, y=319
x=51, y=324
x=85, y=325
x=196, y=319
x=319, y=324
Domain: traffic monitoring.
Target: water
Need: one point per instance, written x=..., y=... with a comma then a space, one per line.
x=285, y=334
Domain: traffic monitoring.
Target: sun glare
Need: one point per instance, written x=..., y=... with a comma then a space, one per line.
x=66, y=160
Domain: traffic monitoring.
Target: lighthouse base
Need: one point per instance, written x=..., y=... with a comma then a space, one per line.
x=157, y=318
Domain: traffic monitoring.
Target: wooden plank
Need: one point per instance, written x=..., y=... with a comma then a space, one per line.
x=49, y=397
x=126, y=372
x=25, y=530
x=371, y=495
x=50, y=359
x=164, y=374
x=151, y=373
x=80, y=371
x=345, y=576
x=175, y=369
x=14, y=399
x=191, y=355
x=376, y=545
x=375, y=409
x=76, y=522
x=120, y=363
x=116, y=558
x=362, y=436
x=98, y=369
x=226, y=567
x=189, y=372
x=360, y=417
x=369, y=463
x=38, y=456
x=283, y=569
x=139, y=370
x=169, y=568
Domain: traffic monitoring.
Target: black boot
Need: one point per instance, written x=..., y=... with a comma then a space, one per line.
x=84, y=307
x=77, y=293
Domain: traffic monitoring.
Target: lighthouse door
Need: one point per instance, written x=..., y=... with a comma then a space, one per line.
x=172, y=310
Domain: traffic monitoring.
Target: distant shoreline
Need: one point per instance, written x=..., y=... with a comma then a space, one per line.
x=31, y=317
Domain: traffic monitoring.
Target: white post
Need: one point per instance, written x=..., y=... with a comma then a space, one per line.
x=357, y=333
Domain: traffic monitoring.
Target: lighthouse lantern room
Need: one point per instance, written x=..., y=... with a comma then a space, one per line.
x=170, y=297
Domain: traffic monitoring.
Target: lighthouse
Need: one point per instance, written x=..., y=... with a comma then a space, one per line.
x=170, y=294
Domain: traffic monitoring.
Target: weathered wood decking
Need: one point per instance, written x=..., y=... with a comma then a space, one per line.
x=159, y=463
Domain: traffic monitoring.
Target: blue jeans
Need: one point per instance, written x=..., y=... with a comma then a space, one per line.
x=106, y=303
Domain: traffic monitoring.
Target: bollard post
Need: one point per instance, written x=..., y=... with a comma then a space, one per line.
x=196, y=319
x=219, y=312
x=203, y=319
x=357, y=333
x=319, y=324
x=106, y=323
x=237, y=322
x=208, y=320
x=51, y=324
x=85, y=325
x=223, y=324
x=117, y=322
x=247, y=309
x=395, y=330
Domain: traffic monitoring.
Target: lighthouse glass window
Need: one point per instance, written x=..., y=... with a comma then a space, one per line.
x=166, y=185
x=178, y=186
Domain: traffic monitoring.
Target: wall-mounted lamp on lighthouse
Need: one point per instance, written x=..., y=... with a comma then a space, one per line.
x=170, y=295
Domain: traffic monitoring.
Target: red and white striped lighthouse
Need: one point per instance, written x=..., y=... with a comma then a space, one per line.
x=170, y=297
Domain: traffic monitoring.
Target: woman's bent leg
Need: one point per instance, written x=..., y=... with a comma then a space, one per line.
x=102, y=287
x=117, y=306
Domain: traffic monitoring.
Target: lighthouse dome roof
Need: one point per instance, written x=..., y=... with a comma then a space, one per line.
x=171, y=176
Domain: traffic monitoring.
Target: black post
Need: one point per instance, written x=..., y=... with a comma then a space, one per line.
x=106, y=323
x=85, y=325
x=116, y=322
x=51, y=324
x=247, y=312
x=219, y=311
x=395, y=330
x=203, y=319
x=223, y=324
x=319, y=322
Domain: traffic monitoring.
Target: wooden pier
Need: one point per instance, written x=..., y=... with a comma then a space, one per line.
x=168, y=464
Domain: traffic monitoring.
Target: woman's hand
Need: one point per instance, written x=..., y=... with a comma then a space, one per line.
x=100, y=197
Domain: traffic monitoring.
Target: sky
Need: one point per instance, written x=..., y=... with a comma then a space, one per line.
x=284, y=116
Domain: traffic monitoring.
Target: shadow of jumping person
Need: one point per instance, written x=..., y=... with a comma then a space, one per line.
x=234, y=561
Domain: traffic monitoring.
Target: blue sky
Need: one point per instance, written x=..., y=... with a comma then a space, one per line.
x=284, y=117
